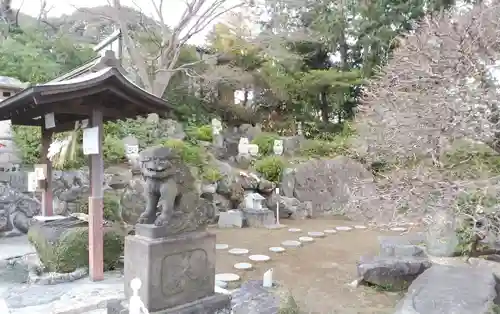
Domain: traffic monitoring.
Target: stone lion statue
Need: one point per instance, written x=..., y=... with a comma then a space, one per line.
x=171, y=197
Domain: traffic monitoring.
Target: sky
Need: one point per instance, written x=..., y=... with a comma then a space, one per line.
x=173, y=9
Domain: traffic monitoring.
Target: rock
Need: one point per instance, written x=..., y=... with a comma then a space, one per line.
x=392, y=273
x=408, y=245
x=231, y=219
x=16, y=208
x=292, y=144
x=237, y=194
x=288, y=182
x=340, y=185
x=286, y=205
x=62, y=245
x=251, y=297
x=265, y=186
x=441, y=237
x=448, y=289
x=221, y=202
x=228, y=177
x=132, y=201
x=248, y=182
x=243, y=161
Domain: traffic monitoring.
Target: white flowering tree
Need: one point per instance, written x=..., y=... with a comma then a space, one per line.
x=438, y=87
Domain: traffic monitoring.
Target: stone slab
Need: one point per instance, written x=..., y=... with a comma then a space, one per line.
x=259, y=218
x=174, y=270
x=231, y=219
x=450, y=289
x=408, y=245
x=215, y=304
x=151, y=231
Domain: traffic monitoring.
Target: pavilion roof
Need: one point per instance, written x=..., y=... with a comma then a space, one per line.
x=104, y=85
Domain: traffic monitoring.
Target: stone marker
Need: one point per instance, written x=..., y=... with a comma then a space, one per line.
x=172, y=253
x=217, y=138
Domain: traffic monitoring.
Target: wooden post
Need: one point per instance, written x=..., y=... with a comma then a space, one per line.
x=96, y=230
x=47, y=205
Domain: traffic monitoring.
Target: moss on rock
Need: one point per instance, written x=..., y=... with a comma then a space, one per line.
x=64, y=247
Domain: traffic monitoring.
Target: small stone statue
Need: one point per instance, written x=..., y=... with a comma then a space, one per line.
x=170, y=187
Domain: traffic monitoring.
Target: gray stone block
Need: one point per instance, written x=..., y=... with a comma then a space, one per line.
x=259, y=218
x=231, y=219
x=448, y=289
x=174, y=271
x=408, y=245
x=390, y=272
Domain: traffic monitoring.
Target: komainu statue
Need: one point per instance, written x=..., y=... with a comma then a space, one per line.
x=171, y=197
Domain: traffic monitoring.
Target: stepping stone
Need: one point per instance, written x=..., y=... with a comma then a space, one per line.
x=238, y=251
x=277, y=249
x=221, y=246
x=291, y=243
x=275, y=226
x=221, y=284
x=243, y=266
x=330, y=231
x=259, y=258
x=306, y=239
x=399, y=229
x=343, y=228
x=360, y=227
x=231, y=280
x=295, y=230
x=227, y=277
x=316, y=234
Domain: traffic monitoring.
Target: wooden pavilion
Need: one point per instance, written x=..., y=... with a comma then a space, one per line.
x=100, y=93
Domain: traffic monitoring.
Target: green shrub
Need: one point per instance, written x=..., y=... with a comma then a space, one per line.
x=28, y=141
x=71, y=251
x=189, y=153
x=202, y=133
x=211, y=174
x=265, y=141
x=111, y=208
x=114, y=150
x=271, y=167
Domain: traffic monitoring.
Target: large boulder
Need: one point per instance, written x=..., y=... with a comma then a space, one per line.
x=62, y=245
x=338, y=186
x=450, y=289
x=391, y=272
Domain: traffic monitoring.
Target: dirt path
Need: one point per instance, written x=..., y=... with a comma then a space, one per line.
x=317, y=274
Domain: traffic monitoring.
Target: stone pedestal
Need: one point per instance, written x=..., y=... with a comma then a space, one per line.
x=259, y=217
x=177, y=272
